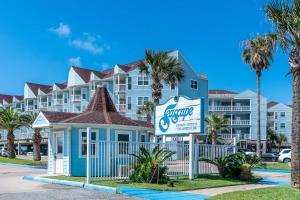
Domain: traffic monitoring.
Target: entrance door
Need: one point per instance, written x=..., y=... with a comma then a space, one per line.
x=59, y=163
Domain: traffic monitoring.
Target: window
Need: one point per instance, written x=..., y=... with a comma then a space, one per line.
x=173, y=86
x=65, y=100
x=143, y=80
x=83, y=141
x=282, y=125
x=275, y=126
x=286, y=151
x=123, y=145
x=129, y=103
x=143, y=138
x=49, y=103
x=282, y=114
x=129, y=84
x=83, y=96
x=194, y=84
x=141, y=100
x=275, y=115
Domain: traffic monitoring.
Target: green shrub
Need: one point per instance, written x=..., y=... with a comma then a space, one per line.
x=237, y=166
x=149, y=167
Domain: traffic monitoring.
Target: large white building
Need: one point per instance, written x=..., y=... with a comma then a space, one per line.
x=240, y=110
x=127, y=87
x=280, y=118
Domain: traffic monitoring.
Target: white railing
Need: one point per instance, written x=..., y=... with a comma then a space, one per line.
x=113, y=160
x=43, y=104
x=29, y=108
x=238, y=122
x=58, y=102
x=75, y=97
x=120, y=88
x=121, y=107
x=228, y=108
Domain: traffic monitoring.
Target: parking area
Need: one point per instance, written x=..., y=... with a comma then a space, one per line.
x=13, y=187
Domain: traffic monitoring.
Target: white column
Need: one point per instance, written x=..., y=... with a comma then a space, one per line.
x=191, y=156
x=69, y=150
x=88, y=156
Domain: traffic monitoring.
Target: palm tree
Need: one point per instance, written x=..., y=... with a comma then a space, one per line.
x=258, y=53
x=272, y=137
x=10, y=121
x=162, y=68
x=285, y=17
x=215, y=124
x=36, y=138
x=147, y=108
x=281, y=138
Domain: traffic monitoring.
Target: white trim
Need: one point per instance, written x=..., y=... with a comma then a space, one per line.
x=56, y=133
x=42, y=125
x=80, y=131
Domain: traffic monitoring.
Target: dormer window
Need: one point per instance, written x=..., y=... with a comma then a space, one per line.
x=143, y=80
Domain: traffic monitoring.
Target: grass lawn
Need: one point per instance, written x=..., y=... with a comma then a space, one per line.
x=273, y=193
x=180, y=184
x=23, y=161
x=283, y=166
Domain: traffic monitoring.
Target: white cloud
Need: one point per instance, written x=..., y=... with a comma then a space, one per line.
x=89, y=43
x=105, y=66
x=76, y=61
x=63, y=30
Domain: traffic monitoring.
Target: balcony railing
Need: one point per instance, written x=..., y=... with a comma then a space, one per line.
x=76, y=97
x=43, y=104
x=238, y=122
x=121, y=107
x=29, y=108
x=58, y=102
x=228, y=108
x=238, y=136
x=120, y=88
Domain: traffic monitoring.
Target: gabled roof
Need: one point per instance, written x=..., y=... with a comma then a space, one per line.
x=85, y=74
x=130, y=66
x=221, y=92
x=35, y=88
x=19, y=98
x=271, y=104
x=61, y=86
x=7, y=98
x=100, y=110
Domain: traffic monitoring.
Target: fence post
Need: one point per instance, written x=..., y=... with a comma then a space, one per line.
x=191, y=156
x=234, y=144
x=88, y=156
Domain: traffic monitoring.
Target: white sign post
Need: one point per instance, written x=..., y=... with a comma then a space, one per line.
x=180, y=116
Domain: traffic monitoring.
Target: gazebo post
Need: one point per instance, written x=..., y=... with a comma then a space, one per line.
x=88, y=156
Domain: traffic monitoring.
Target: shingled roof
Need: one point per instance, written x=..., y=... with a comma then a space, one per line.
x=35, y=88
x=7, y=98
x=85, y=74
x=100, y=110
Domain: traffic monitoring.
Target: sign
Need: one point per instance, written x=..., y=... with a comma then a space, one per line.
x=178, y=115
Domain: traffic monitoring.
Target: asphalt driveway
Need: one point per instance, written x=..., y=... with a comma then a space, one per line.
x=13, y=187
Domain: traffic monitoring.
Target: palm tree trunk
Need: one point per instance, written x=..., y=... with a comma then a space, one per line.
x=214, y=138
x=295, y=179
x=148, y=117
x=37, y=139
x=258, y=139
x=11, y=145
x=156, y=90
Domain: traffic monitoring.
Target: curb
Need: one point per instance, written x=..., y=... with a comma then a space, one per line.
x=70, y=183
x=25, y=166
x=272, y=170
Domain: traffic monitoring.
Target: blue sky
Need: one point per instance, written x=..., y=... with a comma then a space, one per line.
x=40, y=39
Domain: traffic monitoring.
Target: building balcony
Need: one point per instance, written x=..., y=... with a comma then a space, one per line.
x=76, y=98
x=58, y=102
x=29, y=108
x=120, y=88
x=121, y=107
x=238, y=122
x=43, y=105
x=238, y=136
x=229, y=108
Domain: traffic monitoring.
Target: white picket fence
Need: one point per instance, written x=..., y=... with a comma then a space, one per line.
x=113, y=160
